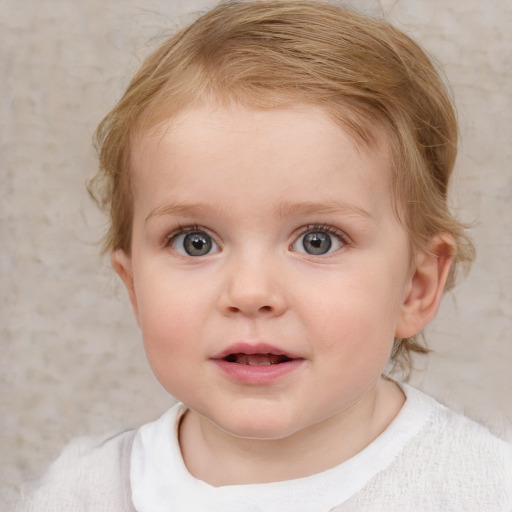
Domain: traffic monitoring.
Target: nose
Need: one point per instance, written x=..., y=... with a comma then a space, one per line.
x=253, y=287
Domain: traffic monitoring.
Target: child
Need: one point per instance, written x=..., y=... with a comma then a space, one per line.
x=276, y=177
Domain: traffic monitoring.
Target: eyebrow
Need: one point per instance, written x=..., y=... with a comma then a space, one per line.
x=306, y=208
x=324, y=207
x=181, y=210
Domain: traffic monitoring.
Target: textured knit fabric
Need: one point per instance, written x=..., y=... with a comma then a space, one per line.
x=91, y=475
x=428, y=459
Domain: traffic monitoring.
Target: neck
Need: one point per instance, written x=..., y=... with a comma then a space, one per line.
x=220, y=458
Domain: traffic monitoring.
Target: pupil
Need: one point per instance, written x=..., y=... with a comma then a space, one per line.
x=197, y=244
x=317, y=243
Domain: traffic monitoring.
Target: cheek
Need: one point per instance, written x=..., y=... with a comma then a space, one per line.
x=172, y=311
x=354, y=315
x=169, y=334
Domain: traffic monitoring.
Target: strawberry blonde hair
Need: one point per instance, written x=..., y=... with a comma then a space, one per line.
x=370, y=77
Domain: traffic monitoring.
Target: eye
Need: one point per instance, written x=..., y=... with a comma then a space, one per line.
x=318, y=241
x=194, y=243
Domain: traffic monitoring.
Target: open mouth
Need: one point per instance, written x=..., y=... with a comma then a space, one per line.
x=256, y=359
x=256, y=364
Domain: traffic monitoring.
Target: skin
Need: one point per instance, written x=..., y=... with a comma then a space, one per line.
x=254, y=183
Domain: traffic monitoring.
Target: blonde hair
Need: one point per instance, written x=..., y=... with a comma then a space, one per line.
x=367, y=74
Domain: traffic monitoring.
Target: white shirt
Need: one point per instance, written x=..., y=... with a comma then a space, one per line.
x=428, y=459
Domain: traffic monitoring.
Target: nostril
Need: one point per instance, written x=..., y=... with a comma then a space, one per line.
x=234, y=309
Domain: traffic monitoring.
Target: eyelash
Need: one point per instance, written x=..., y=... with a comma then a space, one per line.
x=325, y=228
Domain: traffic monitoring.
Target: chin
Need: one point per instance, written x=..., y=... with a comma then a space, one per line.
x=265, y=427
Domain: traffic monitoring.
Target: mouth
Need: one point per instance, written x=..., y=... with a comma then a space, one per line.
x=256, y=363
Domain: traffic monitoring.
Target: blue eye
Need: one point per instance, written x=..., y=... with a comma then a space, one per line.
x=318, y=242
x=194, y=243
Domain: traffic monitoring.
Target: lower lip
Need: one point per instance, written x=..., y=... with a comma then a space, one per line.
x=257, y=374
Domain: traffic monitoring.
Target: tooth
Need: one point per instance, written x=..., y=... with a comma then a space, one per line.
x=256, y=359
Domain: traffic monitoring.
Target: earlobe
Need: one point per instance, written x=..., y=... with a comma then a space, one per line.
x=430, y=274
x=122, y=263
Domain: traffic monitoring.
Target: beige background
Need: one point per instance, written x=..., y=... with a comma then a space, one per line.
x=71, y=359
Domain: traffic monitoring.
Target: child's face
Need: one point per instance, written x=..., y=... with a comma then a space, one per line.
x=258, y=233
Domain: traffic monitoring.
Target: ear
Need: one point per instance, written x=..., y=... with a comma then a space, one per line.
x=122, y=263
x=430, y=271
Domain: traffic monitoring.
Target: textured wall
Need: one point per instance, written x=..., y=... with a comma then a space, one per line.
x=72, y=362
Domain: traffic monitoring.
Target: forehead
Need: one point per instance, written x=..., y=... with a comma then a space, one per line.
x=237, y=119
x=297, y=151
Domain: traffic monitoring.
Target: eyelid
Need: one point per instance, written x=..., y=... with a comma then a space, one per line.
x=327, y=228
x=324, y=228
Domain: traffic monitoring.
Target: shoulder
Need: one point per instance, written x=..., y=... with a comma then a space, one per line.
x=90, y=474
x=449, y=463
x=452, y=438
x=457, y=460
x=455, y=438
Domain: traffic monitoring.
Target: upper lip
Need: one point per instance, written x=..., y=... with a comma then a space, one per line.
x=254, y=348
